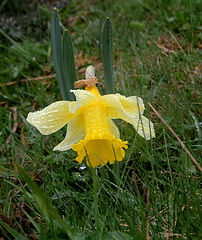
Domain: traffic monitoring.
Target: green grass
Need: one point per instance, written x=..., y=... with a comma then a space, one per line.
x=59, y=201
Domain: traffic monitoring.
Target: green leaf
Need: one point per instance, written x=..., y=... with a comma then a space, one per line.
x=9, y=229
x=56, y=41
x=47, y=210
x=68, y=61
x=107, y=56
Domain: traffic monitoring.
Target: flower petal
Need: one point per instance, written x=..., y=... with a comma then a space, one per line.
x=144, y=127
x=119, y=152
x=132, y=105
x=75, y=133
x=113, y=129
x=53, y=117
x=129, y=109
x=83, y=98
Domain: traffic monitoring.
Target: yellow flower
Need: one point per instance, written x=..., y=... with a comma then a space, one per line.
x=90, y=130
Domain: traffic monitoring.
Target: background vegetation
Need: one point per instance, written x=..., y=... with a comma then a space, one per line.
x=156, y=194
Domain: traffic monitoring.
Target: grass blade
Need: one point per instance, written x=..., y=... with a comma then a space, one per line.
x=197, y=124
x=20, y=51
x=107, y=56
x=56, y=41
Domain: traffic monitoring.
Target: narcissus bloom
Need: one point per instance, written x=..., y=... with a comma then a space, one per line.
x=90, y=130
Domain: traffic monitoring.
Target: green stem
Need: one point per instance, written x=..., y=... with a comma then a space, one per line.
x=95, y=193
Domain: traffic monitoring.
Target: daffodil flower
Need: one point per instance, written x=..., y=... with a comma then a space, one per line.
x=91, y=131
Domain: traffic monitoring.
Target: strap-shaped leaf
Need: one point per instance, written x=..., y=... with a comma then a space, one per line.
x=68, y=61
x=107, y=56
x=56, y=41
x=46, y=208
x=107, y=59
x=8, y=228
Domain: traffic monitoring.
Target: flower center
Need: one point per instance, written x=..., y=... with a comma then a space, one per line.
x=93, y=90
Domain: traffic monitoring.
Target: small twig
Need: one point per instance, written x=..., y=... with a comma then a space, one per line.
x=162, y=211
x=140, y=225
x=178, y=139
x=177, y=43
x=27, y=80
x=166, y=50
x=147, y=221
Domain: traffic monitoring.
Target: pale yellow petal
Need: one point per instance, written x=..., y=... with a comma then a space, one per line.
x=83, y=98
x=52, y=118
x=130, y=110
x=132, y=105
x=144, y=127
x=113, y=129
x=75, y=132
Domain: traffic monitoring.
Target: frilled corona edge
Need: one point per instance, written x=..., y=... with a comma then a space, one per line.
x=90, y=130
